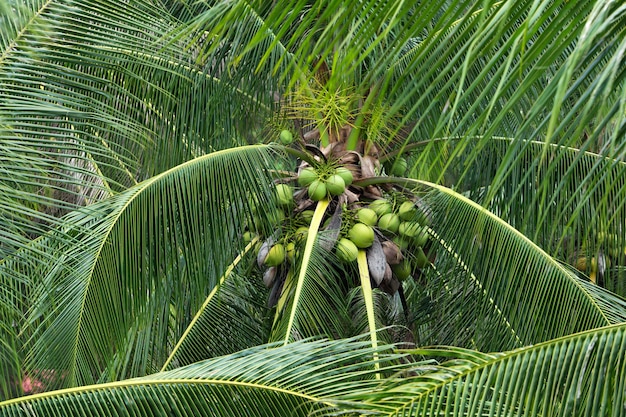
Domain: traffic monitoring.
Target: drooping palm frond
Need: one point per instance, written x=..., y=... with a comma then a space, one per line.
x=577, y=375
x=494, y=289
x=568, y=201
x=94, y=98
x=496, y=68
x=113, y=289
x=300, y=379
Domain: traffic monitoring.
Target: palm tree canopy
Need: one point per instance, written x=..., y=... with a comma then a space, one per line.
x=135, y=148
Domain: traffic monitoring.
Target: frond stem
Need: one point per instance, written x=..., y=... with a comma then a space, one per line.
x=209, y=298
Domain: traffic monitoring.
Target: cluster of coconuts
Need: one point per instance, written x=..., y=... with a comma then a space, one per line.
x=325, y=181
x=391, y=228
x=393, y=232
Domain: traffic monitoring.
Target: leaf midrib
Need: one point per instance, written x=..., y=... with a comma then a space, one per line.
x=21, y=33
x=152, y=382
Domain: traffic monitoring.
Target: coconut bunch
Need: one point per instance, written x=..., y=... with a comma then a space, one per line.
x=387, y=222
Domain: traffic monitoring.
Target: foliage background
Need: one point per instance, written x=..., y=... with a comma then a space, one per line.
x=135, y=147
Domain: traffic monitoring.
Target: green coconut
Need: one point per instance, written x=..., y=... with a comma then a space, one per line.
x=367, y=216
x=290, y=250
x=402, y=270
x=345, y=174
x=284, y=195
x=317, y=190
x=307, y=176
x=335, y=185
x=409, y=229
x=346, y=250
x=381, y=206
x=302, y=232
x=401, y=242
x=247, y=237
x=399, y=167
x=275, y=256
x=421, y=238
x=407, y=211
x=421, y=260
x=286, y=138
x=307, y=215
x=389, y=222
x=361, y=235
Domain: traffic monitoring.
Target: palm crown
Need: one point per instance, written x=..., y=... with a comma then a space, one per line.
x=184, y=183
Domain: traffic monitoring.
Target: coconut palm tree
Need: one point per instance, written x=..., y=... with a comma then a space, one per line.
x=262, y=208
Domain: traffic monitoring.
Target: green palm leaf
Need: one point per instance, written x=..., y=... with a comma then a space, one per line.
x=573, y=209
x=90, y=106
x=494, y=289
x=124, y=268
x=233, y=317
x=312, y=301
x=578, y=375
x=298, y=379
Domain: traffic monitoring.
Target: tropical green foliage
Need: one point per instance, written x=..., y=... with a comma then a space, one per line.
x=140, y=151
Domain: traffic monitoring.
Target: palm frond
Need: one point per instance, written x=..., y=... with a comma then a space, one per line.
x=567, y=200
x=134, y=269
x=316, y=221
x=312, y=301
x=368, y=296
x=299, y=379
x=95, y=98
x=494, y=289
x=577, y=375
x=498, y=67
x=232, y=318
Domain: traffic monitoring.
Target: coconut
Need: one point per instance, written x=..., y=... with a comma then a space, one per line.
x=284, y=194
x=402, y=270
x=410, y=229
x=346, y=250
x=345, y=174
x=335, y=185
x=367, y=216
x=317, y=190
x=286, y=138
x=389, y=222
x=407, y=211
x=361, y=235
x=302, y=232
x=307, y=215
x=401, y=242
x=421, y=238
x=381, y=206
x=399, y=167
x=275, y=256
x=290, y=251
x=247, y=237
x=307, y=176
x=421, y=261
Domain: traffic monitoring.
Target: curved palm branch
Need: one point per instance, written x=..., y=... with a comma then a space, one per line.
x=90, y=106
x=312, y=300
x=577, y=375
x=494, y=289
x=134, y=269
x=233, y=317
x=299, y=379
x=568, y=201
